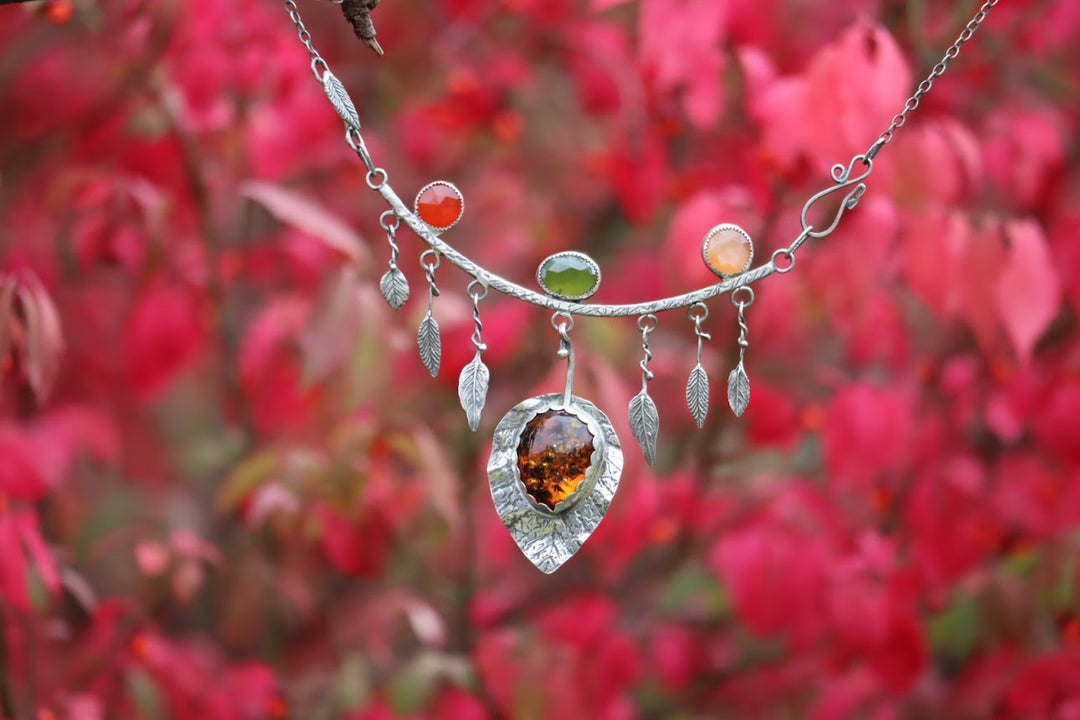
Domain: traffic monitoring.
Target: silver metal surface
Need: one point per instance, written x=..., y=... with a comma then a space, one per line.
x=644, y=417
x=738, y=388
x=428, y=337
x=473, y=388
x=697, y=385
x=475, y=377
x=548, y=539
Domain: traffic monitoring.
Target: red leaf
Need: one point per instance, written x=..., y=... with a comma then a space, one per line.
x=163, y=336
x=1028, y=291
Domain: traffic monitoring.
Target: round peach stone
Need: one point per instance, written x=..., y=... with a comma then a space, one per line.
x=440, y=205
x=727, y=250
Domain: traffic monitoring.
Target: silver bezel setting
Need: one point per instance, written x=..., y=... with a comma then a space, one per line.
x=548, y=538
x=416, y=205
x=569, y=253
x=708, y=239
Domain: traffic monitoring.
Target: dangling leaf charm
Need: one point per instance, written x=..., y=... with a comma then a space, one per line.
x=645, y=424
x=697, y=394
x=395, y=288
x=472, y=390
x=738, y=390
x=429, y=341
x=339, y=98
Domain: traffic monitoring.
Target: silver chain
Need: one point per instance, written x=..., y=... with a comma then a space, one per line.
x=849, y=179
x=937, y=71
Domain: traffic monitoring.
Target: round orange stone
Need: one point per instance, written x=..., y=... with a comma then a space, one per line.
x=727, y=250
x=440, y=205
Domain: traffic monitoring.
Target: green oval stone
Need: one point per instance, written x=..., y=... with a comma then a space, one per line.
x=569, y=275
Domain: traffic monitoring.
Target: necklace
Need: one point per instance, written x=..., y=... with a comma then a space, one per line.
x=556, y=459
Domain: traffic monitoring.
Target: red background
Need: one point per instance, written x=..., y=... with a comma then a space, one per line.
x=228, y=488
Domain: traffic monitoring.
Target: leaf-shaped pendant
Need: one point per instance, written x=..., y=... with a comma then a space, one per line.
x=697, y=394
x=429, y=341
x=738, y=390
x=473, y=388
x=542, y=447
x=395, y=288
x=645, y=424
x=339, y=98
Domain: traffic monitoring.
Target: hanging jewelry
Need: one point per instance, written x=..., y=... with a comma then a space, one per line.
x=474, y=378
x=738, y=384
x=644, y=418
x=555, y=460
x=428, y=338
x=697, y=386
x=394, y=285
x=554, y=468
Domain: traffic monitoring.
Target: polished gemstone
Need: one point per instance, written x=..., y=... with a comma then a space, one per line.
x=440, y=205
x=569, y=275
x=554, y=453
x=727, y=250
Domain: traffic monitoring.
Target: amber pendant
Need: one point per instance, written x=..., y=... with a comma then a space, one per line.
x=554, y=469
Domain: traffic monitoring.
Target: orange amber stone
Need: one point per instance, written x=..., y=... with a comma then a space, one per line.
x=727, y=250
x=440, y=205
x=554, y=453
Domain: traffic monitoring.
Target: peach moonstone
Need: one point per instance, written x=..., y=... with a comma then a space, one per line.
x=727, y=250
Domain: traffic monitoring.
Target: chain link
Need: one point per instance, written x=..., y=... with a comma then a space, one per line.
x=302, y=31
x=937, y=71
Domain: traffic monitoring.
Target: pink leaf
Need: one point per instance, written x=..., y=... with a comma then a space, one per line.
x=44, y=337
x=309, y=216
x=1028, y=291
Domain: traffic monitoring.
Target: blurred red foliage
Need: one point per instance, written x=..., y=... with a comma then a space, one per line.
x=229, y=490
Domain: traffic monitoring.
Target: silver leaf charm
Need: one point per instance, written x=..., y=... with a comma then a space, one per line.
x=395, y=288
x=472, y=390
x=548, y=538
x=429, y=341
x=697, y=394
x=340, y=99
x=738, y=390
x=645, y=424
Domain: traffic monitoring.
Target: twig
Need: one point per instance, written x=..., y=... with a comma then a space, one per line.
x=358, y=13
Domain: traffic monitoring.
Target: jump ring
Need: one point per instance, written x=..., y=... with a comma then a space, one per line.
x=647, y=323
x=386, y=224
x=785, y=253
x=376, y=173
x=562, y=321
x=742, y=304
x=698, y=312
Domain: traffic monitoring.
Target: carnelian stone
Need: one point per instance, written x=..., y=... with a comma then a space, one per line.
x=440, y=205
x=554, y=454
x=727, y=250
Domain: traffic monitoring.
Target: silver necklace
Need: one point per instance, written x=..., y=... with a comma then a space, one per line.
x=555, y=459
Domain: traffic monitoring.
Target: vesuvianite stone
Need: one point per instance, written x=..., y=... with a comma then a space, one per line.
x=569, y=275
x=727, y=250
x=440, y=205
x=554, y=453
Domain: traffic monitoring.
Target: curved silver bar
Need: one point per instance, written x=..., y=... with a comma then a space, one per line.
x=531, y=296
